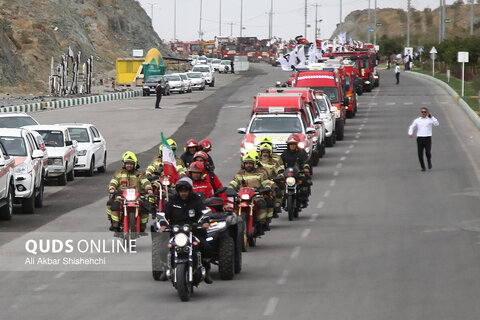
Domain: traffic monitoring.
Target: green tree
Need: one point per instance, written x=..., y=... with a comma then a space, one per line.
x=390, y=46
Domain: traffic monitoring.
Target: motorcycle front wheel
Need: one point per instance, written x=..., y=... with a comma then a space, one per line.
x=184, y=288
x=290, y=207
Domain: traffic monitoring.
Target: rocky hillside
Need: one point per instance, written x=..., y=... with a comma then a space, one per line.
x=31, y=32
x=423, y=24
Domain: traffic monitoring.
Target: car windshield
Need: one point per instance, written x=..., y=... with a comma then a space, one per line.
x=173, y=78
x=79, y=134
x=194, y=75
x=16, y=122
x=52, y=138
x=184, y=77
x=322, y=104
x=152, y=79
x=216, y=61
x=209, y=60
x=15, y=146
x=201, y=69
x=276, y=125
x=331, y=92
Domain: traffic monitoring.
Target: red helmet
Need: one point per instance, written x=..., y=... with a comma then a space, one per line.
x=192, y=143
x=196, y=167
x=293, y=138
x=206, y=145
x=201, y=154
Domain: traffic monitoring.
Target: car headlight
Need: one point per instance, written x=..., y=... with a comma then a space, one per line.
x=249, y=145
x=56, y=161
x=22, y=169
x=146, y=87
x=181, y=239
x=291, y=181
x=301, y=145
x=81, y=152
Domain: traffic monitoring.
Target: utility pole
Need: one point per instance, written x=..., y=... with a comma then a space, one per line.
x=200, y=33
x=316, y=20
x=220, y=21
x=375, y=22
x=306, y=15
x=241, y=17
x=270, y=21
x=151, y=11
x=175, y=20
x=440, y=21
x=369, y=22
x=444, y=10
x=408, y=23
x=231, y=29
x=471, y=18
x=341, y=26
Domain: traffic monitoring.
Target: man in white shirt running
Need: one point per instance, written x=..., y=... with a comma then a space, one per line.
x=424, y=124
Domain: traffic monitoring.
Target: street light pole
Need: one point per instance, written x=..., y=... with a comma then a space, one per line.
x=369, y=22
x=341, y=25
x=375, y=22
x=200, y=33
x=270, y=22
x=306, y=15
x=408, y=23
x=241, y=17
x=220, y=20
x=471, y=18
x=175, y=20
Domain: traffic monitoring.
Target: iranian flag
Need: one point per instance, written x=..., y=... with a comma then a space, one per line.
x=169, y=162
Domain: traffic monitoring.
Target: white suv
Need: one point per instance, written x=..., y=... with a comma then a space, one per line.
x=6, y=184
x=327, y=117
x=62, y=151
x=207, y=72
x=91, y=147
x=29, y=172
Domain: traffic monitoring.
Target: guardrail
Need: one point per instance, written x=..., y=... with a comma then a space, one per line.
x=66, y=103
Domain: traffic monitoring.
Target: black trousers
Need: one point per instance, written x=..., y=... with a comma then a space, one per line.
x=424, y=143
x=397, y=74
x=159, y=98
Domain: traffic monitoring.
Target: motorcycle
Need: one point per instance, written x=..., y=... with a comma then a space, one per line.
x=130, y=209
x=292, y=204
x=225, y=237
x=184, y=261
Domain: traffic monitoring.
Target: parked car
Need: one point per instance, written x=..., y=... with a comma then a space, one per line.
x=225, y=66
x=41, y=144
x=176, y=83
x=91, y=148
x=16, y=120
x=6, y=184
x=151, y=83
x=28, y=172
x=216, y=63
x=328, y=117
x=197, y=80
x=186, y=81
x=61, y=152
x=207, y=73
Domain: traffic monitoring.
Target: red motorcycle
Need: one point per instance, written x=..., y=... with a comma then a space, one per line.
x=130, y=210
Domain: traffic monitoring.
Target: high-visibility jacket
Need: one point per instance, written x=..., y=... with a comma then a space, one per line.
x=156, y=165
x=123, y=179
x=256, y=179
x=272, y=167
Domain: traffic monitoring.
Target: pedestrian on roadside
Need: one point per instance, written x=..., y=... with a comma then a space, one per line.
x=388, y=64
x=397, y=72
x=159, y=92
x=232, y=66
x=424, y=124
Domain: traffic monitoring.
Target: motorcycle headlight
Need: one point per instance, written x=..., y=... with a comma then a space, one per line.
x=249, y=145
x=176, y=229
x=181, y=239
x=81, y=152
x=245, y=197
x=22, y=169
x=291, y=181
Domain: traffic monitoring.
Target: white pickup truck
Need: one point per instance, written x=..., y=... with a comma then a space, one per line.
x=7, y=164
x=62, y=151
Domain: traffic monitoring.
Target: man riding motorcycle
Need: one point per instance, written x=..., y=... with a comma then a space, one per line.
x=206, y=146
x=127, y=177
x=202, y=157
x=252, y=176
x=201, y=182
x=190, y=149
x=273, y=169
x=186, y=207
x=157, y=163
x=180, y=165
x=298, y=158
x=275, y=156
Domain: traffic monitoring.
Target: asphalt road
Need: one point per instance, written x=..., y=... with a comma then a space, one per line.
x=380, y=240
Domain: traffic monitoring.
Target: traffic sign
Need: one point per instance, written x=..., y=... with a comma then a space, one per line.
x=421, y=49
x=433, y=50
x=379, y=24
x=462, y=56
x=371, y=29
x=448, y=20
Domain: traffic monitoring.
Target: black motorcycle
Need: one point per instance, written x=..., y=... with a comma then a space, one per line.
x=291, y=200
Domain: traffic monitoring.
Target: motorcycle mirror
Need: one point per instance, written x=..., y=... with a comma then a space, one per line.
x=221, y=190
x=206, y=211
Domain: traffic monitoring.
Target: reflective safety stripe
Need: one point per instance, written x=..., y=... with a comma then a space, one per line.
x=114, y=182
x=109, y=212
x=115, y=218
x=144, y=220
x=234, y=184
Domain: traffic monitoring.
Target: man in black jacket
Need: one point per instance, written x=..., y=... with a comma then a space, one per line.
x=186, y=207
x=294, y=157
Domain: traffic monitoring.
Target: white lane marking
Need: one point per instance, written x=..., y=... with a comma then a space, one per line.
x=408, y=103
x=391, y=103
x=229, y=107
x=295, y=252
x=359, y=133
x=313, y=217
x=360, y=128
x=332, y=183
x=41, y=287
x=283, y=277
x=343, y=158
x=59, y=275
x=373, y=104
x=357, y=137
x=347, y=151
x=355, y=141
x=305, y=233
x=320, y=205
x=271, y=305
x=326, y=194
x=245, y=107
x=339, y=165
x=335, y=173
x=350, y=146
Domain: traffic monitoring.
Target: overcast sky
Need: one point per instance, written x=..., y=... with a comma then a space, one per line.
x=288, y=18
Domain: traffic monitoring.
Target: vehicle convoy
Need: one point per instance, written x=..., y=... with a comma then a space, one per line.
x=29, y=172
x=328, y=117
x=185, y=80
x=277, y=116
x=62, y=151
x=328, y=81
x=7, y=186
x=91, y=148
x=207, y=73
